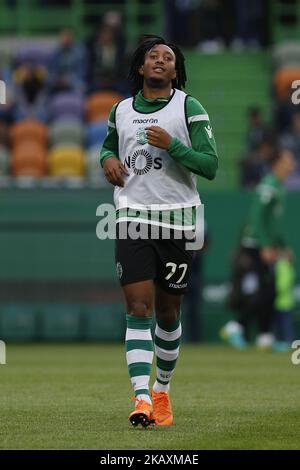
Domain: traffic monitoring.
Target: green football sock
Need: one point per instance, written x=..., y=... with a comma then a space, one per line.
x=139, y=354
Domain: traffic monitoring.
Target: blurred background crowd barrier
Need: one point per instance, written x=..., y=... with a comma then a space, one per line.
x=64, y=64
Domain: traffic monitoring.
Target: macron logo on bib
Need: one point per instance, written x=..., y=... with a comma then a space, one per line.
x=145, y=121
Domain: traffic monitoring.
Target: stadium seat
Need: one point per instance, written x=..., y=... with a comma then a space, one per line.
x=283, y=80
x=4, y=161
x=96, y=133
x=29, y=159
x=28, y=130
x=34, y=53
x=66, y=161
x=98, y=105
x=66, y=132
x=68, y=105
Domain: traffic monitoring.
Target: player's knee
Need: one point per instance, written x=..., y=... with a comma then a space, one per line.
x=139, y=308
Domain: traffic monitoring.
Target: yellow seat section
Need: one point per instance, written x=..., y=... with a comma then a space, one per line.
x=66, y=161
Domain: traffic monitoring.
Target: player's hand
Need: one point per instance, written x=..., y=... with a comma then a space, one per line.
x=158, y=137
x=268, y=254
x=114, y=171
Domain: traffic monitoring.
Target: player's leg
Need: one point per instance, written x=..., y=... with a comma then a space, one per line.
x=167, y=343
x=167, y=336
x=138, y=340
x=139, y=346
x=171, y=283
x=135, y=261
x=136, y=267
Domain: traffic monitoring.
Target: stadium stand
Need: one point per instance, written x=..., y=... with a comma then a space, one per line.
x=244, y=81
x=74, y=268
x=80, y=15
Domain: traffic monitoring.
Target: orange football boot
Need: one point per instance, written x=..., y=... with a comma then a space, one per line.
x=162, y=409
x=142, y=413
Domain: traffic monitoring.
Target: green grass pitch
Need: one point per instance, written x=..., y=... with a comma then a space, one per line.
x=78, y=397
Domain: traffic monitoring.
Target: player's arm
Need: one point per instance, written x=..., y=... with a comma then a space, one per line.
x=113, y=168
x=202, y=157
x=110, y=147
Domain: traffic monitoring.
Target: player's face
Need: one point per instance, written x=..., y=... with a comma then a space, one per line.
x=159, y=66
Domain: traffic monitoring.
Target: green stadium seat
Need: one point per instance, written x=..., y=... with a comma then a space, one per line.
x=60, y=322
x=18, y=321
x=104, y=322
x=66, y=133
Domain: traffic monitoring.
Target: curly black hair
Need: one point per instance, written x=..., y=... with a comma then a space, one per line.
x=138, y=59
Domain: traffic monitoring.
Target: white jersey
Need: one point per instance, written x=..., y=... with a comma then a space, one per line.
x=154, y=176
